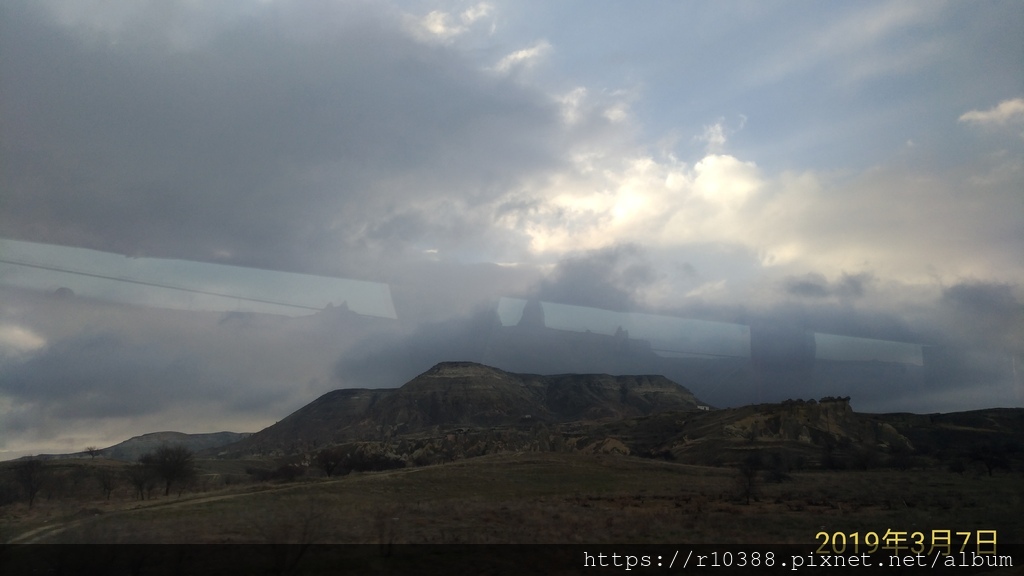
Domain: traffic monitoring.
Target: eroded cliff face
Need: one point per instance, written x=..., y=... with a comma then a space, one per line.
x=461, y=410
x=830, y=420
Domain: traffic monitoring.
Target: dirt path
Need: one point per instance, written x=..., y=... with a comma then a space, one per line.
x=43, y=533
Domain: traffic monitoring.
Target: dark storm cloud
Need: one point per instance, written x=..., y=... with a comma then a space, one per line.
x=817, y=286
x=269, y=146
x=389, y=362
x=983, y=298
x=813, y=287
x=184, y=370
x=607, y=278
x=853, y=285
x=99, y=376
x=983, y=314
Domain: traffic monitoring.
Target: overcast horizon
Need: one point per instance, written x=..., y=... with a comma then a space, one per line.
x=184, y=185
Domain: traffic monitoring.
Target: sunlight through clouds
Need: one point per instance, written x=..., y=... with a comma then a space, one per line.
x=645, y=201
x=815, y=221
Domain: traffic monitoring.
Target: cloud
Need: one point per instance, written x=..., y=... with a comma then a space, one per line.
x=980, y=313
x=811, y=286
x=476, y=12
x=523, y=58
x=177, y=26
x=572, y=104
x=1006, y=113
x=988, y=299
x=726, y=181
x=17, y=340
x=589, y=113
x=713, y=136
x=360, y=140
x=816, y=286
x=443, y=26
x=437, y=23
x=608, y=278
x=828, y=222
x=130, y=370
x=290, y=142
x=99, y=376
x=392, y=360
x=639, y=199
x=370, y=158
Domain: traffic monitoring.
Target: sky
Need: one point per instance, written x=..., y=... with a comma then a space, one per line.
x=854, y=169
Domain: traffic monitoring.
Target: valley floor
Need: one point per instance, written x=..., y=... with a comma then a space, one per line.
x=544, y=498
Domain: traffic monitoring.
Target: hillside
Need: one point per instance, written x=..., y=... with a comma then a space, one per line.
x=460, y=410
x=131, y=449
x=826, y=434
x=464, y=395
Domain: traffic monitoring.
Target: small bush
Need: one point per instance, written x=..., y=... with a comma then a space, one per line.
x=779, y=465
x=747, y=480
x=865, y=459
x=9, y=492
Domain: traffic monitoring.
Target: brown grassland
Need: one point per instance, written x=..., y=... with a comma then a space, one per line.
x=530, y=497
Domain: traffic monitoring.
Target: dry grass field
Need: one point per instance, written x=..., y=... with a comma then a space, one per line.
x=538, y=498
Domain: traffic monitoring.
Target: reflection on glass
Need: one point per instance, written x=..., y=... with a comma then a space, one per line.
x=184, y=284
x=682, y=337
x=847, y=348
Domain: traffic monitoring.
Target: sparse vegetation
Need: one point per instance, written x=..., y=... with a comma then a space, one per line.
x=992, y=456
x=732, y=475
x=778, y=466
x=540, y=498
x=748, y=480
x=107, y=479
x=330, y=460
x=142, y=477
x=32, y=475
x=172, y=464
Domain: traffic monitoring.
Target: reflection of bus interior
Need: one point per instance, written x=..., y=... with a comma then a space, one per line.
x=715, y=360
x=184, y=284
x=718, y=361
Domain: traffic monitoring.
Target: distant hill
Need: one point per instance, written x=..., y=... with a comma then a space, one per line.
x=131, y=449
x=827, y=434
x=460, y=410
x=463, y=395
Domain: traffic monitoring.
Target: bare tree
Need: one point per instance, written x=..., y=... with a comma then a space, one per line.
x=141, y=476
x=330, y=460
x=93, y=451
x=173, y=464
x=108, y=481
x=31, y=474
x=749, y=470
